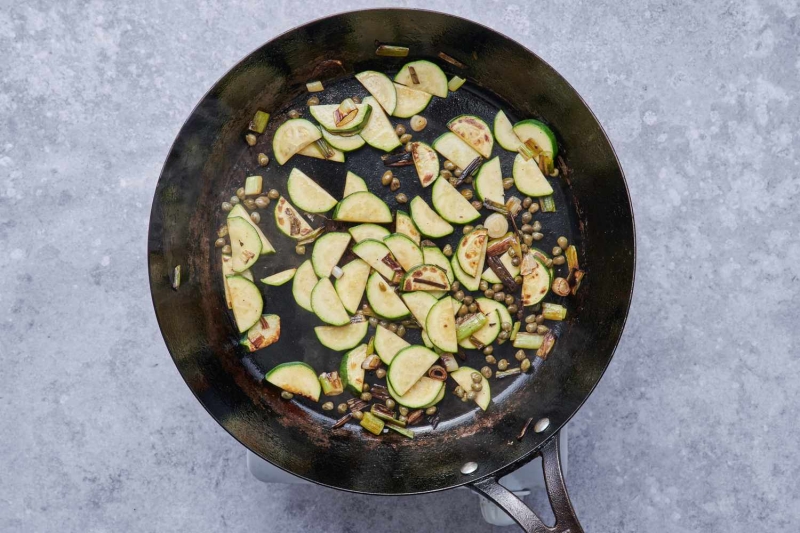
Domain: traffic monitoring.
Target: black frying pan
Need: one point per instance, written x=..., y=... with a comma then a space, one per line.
x=209, y=160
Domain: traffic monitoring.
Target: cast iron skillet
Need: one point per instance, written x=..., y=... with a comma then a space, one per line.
x=209, y=160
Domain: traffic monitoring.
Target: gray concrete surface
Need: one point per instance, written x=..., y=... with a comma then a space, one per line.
x=694, y=427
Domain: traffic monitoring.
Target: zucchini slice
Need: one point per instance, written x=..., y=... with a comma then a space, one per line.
x=463, y=376
x=266, y=331
x=434, y=256
x=471, y=283
x=354, y=183
x=541, y=134
x=289, y=220
x=383, y=300
x=405, y=225
x=380, y=87
x=279, y=278
x=246, y=302
x=430, y=77
x=450, y=204
x=475, y=132
x=388, y=344
x=425, y=340
x=489, y=182
x=297, y=378
x=368, y=231
x=486, y=335
x=410, y=101
x=307, y=194
x=426, y=278
x=378, y=256
x=441, y=325
x=304, y=282
x=429, y=223
x=328, y=251
x=404, y=250
x=426, y=162
x=327, y=305
x=350, y=287
x=535, y=285
x=379, y=132
x=227, y=270
x=490, y=277
x=341, y=338
x=424, y=393
x=245, y=244
x=342, y=143
x=312, y=150
x=239, y=211
x=420, y=304
x=504, y=133
x=363, y=207
x=408, y=366
x=529, y=179
x=350, y=369
x=471, y=251
x=324, y=114
x=291, y=137
x=453, y=148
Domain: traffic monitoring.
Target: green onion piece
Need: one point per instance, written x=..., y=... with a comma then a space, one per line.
x=553, y=311
x=371, y=346
x=449, y=362
x=314, y=86
x=547, y=204
x=470, y=325
x=311, y=237
x=525, y=152
x=514, y=205
x=331, y=383
x=535, y=148
x=547, y=344
x=176, y=277
x=403, y=431
x=577, y=281
x=571, y=254
x=253, y=185
x=452, y=60
x=528, y=341
x=455, y=83
x=259, y=122
x=372, y=423
x=392, y=51
x=375, y=409
x=500, y=374
x=396, y=422
x=546, y=163
x=514, y=331
x=371, y=362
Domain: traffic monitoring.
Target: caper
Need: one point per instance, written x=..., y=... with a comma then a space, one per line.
x=458, y=391
x=518, y=279
x=447, y=250
x=468, y=229
x=418, y=123
x=249, y=203
x=286, y=395
x=402, y=418
x=515, y=261
x=358, y=415
x=471, y=395
x=539, y=319
x=226, y=249
x=537, y=226
x=562, y=242
x=406, y=138
x=392, y=327
x=559, y=260
x=463, y=310
x=499, y=296
x=219, y=243
x=300, y=249
x=453, y=181
x=234, y=200
x=468, y=180
x=526, y=202
x=240, y=193
x=526, y=217
x=541, y=330
x=430, y=411
x=526, y=228
x=530, y=319
x=528, y=240
x=531, y=328
x=407, y=147
x=455, y=285
x=477, y=387
x=489, y=293
x=380, y=373
x=548, y=263
x=389, y=403
x=401, y=198
x=525, y=365
x=488, y=350
x=537, y=236
x=262, y=202
x=394, y=185
x=467, y=193
x=505, y=326
x=520, y=355
x=356, y=99
x=490, y=360
x=327, y=406
x=387, y=177
x=365, y=387
x=366, y=396
x=403, y=410
x=459, y=295
x=250, y=139
x=557, y=250
x=457, y=172
x=294, y=113
x=468, y=299
x=373, y=322
x=255, y=217
x=476, y=205
x=222, y=231
x=400, y=130
x=384, y=324
x=486, y=372
x=483, y=285
x=475, y=377
x=312, y=101
x=524, y=248
x=497, y=287
x=512, y=308
x=273, y=194
x=533, y=208
x=401, y=331
x=508, y=183
x=446, y=174
x=503, y=335
x=473, y=307
x=502, y=364
x=449, y=165
x=342, y=408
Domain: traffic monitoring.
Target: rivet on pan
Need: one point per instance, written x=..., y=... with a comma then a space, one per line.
x=469, y=468
x=541, y=425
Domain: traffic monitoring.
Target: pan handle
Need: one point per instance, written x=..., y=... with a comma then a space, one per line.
x=566, y=521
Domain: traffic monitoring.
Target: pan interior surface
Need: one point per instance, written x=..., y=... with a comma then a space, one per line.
x=210, y=160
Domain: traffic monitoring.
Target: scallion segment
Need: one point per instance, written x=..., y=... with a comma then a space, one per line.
x=553, y=311
x=528, y=341
x=391, y=51
x=455, y=83
x=547, y=204
x=331, y=383
x=259, y=122
x=470, y=325
x=403, y=431
x=372, y=423
x=314, y=86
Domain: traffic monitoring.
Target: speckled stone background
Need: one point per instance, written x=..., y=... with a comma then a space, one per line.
x=695, y=426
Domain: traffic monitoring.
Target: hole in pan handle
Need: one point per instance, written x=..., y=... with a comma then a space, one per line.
x=566, y=521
